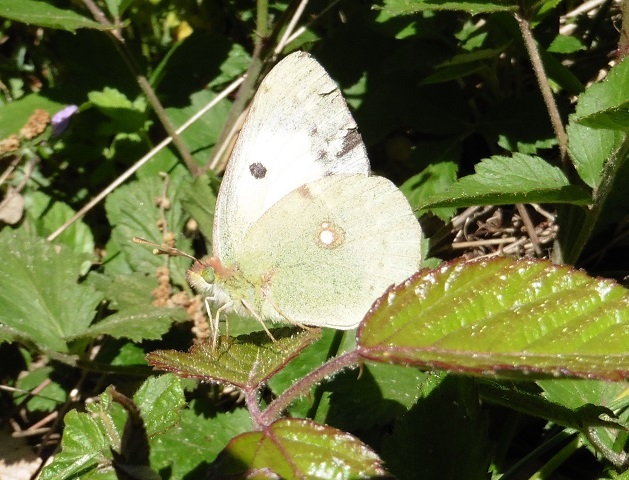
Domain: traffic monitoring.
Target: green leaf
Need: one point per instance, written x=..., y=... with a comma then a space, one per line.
x=503, y=317
x=442, y=159
x=133, y=212
x=375, y=397
x=126, y=116
x=142, y=322
x=407, y=7
x=40, y=297
x=89, y=437
x=222, y=61
x=160, y=400
x=536, y=405
x=197, y=440
x=47, y=399
x=15, y=114
x=504, y=180
x=244, y=361
x=565, y=44
x=296, y=448
x=449, y=415
x=82, y=448
x=310, y=358
x=613, y=118
x=600, y=106
x=201, y=136
x=46, y=215
x=43, y=14
x=124, y=291
x=199, y=201
x=579, y=395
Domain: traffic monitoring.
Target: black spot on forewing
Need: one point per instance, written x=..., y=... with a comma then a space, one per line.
x=257, y=170
x=351, y=141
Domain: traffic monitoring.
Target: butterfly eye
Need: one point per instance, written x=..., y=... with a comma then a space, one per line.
x=207, y=274
x=201, y=276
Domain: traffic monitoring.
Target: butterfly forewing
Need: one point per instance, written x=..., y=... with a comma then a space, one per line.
x=298, y=129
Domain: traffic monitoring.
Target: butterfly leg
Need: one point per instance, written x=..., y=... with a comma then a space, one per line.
x=259, y=319
x=215, y=320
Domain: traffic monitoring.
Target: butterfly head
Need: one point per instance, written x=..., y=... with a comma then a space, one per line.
x=203, y=275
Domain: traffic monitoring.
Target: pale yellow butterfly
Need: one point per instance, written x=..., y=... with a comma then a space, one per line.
x=302, y=233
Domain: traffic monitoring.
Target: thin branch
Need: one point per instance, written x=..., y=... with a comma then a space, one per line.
x=290, y=27
x=544, y=86
x=262, y=23
x=302, y=386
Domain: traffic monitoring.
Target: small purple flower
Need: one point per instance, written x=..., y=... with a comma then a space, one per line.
x=61, y=119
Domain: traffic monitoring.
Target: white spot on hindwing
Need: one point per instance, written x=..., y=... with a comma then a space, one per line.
x=330, y=235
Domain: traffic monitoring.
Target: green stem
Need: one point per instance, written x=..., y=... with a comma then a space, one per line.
x=262, y=23
x=544, y=86
x=599, y=198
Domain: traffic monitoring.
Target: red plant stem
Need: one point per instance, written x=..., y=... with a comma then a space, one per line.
x=303, y=385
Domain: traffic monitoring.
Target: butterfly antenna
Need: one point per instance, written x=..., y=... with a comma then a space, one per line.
x=162, y=249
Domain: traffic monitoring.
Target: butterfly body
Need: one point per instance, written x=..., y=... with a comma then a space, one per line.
x=302, y=232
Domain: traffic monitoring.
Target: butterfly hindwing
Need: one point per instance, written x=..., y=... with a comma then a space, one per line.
x=337, y=244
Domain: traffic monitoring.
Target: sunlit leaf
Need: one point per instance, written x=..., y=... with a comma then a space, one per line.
x=245, y=361
x=503, y=316
x=296, y=448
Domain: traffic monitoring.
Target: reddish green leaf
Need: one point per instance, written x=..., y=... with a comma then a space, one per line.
x=245, y=361
x=296, y=448
x=501, y=315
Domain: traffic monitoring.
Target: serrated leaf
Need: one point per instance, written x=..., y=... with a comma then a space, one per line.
x=123, y=291
x=40, y=297
x=244, y=361
x=89, y=437
x=43, y=14
x=565, y=44
x=504, y=180
x=196, y=441
x=296, y=448
x=501, y=316
x=81, y=448
x=132, y=210
x=142, y=322
x=613, y=118
x=160, y=400
x=591, y=147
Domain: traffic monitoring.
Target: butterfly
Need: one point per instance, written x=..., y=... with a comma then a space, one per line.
x=302, y=233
